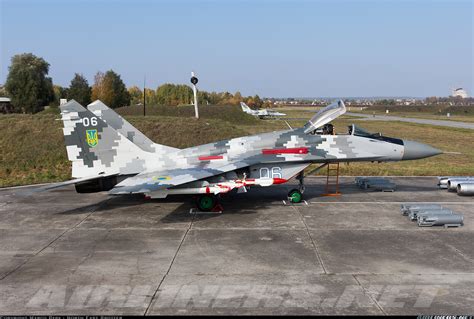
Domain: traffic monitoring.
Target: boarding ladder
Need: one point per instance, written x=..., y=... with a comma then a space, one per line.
x=332, y=180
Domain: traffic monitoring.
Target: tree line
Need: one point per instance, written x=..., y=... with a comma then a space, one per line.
x=30, y=89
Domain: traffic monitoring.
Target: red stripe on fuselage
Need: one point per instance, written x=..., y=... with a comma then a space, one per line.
x=296, y=150
x=210, y=158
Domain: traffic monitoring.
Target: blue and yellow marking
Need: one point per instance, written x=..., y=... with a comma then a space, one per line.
x=92, y=138
x=161, y=178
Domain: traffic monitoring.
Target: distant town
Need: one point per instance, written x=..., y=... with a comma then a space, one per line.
x=458, y=97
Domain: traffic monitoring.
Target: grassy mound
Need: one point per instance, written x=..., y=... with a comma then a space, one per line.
x=229, y=113
x=33, y=150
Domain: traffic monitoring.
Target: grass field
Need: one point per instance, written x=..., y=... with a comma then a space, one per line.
x=32, y=146
x=228, y=113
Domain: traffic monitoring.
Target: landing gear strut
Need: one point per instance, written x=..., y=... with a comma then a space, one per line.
x=296, y=195
x=300, y=178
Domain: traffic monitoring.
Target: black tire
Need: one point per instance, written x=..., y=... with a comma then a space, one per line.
x=206, y=203
x=295, y=196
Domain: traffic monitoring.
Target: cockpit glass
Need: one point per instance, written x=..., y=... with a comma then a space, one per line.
x=360, y=131
x=357, y=131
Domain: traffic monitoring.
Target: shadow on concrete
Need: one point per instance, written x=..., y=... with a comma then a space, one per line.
x=106, y=204
x=233, y=203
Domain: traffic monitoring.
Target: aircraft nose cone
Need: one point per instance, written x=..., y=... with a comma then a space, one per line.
x=414, y=150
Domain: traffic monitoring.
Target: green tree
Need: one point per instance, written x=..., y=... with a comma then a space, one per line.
x=250, y=102
x=136, y=95
x=234, y=99
x=110, y=89
x=150, y=97
x=213, y=98
x=258, y=101
x=203, y=97
x=226, y=98
x=27, y=83
x=173, y=94
x=59, y=93
x=79, y=90
x=98, y=88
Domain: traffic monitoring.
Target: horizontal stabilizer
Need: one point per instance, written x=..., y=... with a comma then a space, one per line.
x=75, y=181
x=48, y=187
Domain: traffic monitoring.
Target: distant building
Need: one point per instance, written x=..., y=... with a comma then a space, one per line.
x=460, y=92
x=5, y=105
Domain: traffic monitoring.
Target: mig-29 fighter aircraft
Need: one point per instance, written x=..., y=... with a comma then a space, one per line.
x=109, y=154
x=262, y=113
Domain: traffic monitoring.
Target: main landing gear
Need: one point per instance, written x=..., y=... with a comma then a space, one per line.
x=296, y=194
x=208, y=203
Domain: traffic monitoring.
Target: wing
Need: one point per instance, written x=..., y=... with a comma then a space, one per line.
x=274, y=112
x=153, y=181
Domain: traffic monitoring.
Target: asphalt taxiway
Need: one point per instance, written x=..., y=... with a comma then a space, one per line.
x=68, y=253
x=447, y=123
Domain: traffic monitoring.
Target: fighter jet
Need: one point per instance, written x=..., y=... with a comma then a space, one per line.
x=109, y=154
x=262, y=113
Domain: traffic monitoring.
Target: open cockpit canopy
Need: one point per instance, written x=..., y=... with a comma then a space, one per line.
x=325, y=115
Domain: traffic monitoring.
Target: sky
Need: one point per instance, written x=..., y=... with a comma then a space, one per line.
x=270, y=48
